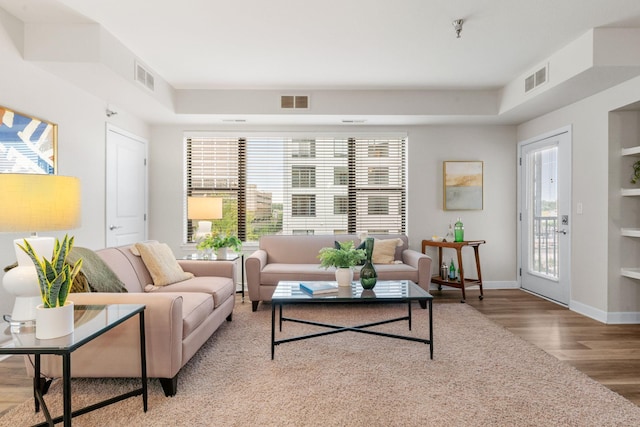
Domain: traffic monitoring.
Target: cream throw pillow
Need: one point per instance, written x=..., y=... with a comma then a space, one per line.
x=161, y=263
x=384, y=251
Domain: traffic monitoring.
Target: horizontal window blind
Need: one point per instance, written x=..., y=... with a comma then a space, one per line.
x=278, y=185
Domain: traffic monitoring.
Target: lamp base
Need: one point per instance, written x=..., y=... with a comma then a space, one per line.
x=204, y=229
x=17, y=326
x=22, y=282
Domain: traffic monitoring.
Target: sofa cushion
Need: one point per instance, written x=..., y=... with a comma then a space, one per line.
x=196, y=308
x=220, y=288
x=384, y=250
x=273, y=273
x=99, y=276
x=161, y=263
x=397, y=271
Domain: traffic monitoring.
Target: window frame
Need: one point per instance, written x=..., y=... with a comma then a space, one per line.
x=356, y=187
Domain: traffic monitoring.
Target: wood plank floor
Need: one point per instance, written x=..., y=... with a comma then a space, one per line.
x=609, y=354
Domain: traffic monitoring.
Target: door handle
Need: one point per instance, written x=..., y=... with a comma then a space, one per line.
x=113, y=227
x=561, y=231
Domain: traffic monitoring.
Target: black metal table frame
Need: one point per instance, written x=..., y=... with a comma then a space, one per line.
x=68, y=414
x=357, y=328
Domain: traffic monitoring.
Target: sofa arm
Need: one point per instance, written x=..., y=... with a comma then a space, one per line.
x=209, y=268
x=422, y=262
x=116, y=353
x=253, y=265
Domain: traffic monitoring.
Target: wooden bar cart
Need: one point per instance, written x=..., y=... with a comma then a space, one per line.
x=461, y=281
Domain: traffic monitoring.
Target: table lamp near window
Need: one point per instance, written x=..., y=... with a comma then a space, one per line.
x=33, y=203
x=203, y=209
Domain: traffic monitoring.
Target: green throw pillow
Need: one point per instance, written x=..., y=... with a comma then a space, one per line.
x=98, y=274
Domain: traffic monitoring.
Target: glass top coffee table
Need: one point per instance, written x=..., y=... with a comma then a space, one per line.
x=385, y=291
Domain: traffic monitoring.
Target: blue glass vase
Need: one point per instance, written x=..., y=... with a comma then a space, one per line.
x=368, y=274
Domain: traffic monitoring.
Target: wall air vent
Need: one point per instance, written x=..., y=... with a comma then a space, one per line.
x=536, y=79
x=144, y=77
x=295, y=102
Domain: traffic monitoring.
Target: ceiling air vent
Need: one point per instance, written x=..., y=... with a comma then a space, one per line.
x=297, y=102
x=144, y=77
x=536, y=79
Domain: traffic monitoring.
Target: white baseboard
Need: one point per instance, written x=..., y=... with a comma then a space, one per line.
x=587, y=310
x=611, y=318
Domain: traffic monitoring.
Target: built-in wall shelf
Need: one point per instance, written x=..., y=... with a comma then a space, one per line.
x=624, y=133
x=633, y=273
x=631, y=151
x=630, y=232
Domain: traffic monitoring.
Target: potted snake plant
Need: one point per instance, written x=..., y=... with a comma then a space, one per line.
x=54, y=317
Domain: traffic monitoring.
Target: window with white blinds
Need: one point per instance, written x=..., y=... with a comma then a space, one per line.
x=280, y=185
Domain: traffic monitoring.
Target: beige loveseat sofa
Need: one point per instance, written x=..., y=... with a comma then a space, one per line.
x=282, y=257
x=179, y=319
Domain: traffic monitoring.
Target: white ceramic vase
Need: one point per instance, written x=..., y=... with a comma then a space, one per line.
x=54, y=322
x=221, y=253
x=344, y=276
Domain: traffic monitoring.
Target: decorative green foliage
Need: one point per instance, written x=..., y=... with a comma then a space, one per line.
x=220, y=241
x=345, y=257
x=56, y=276
x=636, y=172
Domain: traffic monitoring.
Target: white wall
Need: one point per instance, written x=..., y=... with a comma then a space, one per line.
x=428, y=147
x=81, y=123
x=596, y=289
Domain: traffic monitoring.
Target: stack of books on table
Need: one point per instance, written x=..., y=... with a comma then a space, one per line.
x=317, y=288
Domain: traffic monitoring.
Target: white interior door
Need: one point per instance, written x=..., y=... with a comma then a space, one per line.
x=126, y=190
x=545, y=221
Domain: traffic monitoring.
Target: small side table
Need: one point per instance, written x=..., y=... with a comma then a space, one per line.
x=231, y=256
x=90, y=321
x=461, y=281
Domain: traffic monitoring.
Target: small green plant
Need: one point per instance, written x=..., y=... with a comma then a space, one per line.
x=56, y=276
x=219, y=241
x=344, y=257
x=636, y=172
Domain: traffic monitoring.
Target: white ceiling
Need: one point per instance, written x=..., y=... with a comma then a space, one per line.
x=338, y=44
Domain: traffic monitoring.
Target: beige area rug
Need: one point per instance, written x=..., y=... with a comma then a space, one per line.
x=481, y=375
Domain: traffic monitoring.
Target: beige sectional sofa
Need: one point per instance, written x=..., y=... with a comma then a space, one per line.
x=179, y=319
x=280, y=257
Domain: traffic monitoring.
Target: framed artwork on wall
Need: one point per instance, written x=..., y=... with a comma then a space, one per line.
x=27, y=144
x=463, y=181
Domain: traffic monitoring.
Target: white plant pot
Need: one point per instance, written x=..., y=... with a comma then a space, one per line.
x=344, y=276
x=222, y=253
x=54, y=322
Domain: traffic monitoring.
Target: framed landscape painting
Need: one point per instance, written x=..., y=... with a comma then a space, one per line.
x=27, y=144
x=463, y=185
